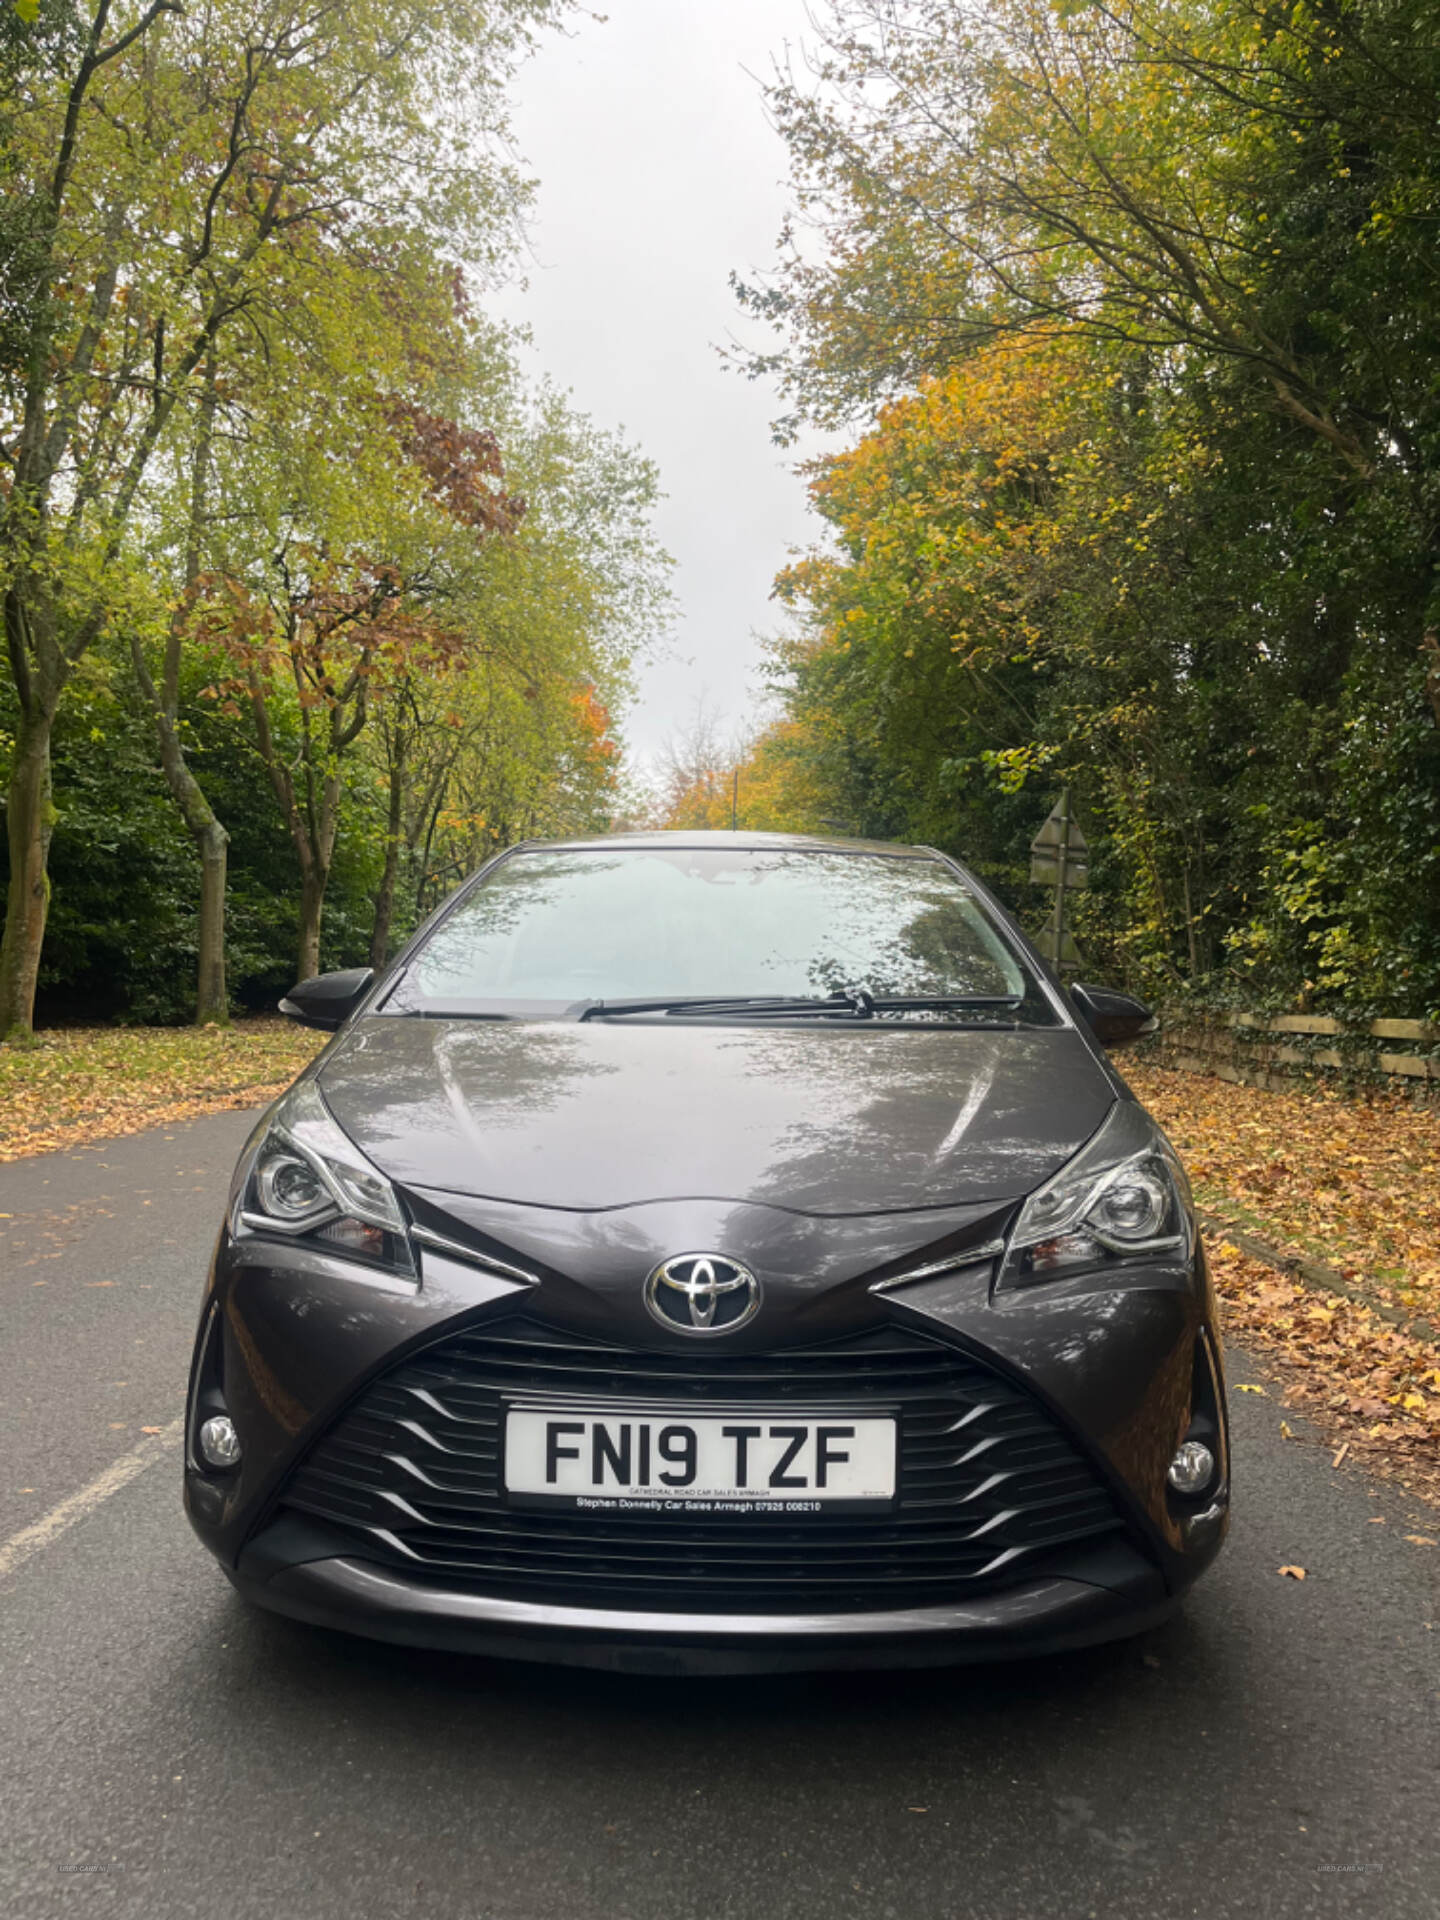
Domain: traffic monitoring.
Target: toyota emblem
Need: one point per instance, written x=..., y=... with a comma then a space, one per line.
x=702, y=1293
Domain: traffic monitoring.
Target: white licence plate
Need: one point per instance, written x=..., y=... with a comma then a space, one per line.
x=667, y=1460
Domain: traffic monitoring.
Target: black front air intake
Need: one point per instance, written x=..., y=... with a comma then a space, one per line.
x=988, y=1482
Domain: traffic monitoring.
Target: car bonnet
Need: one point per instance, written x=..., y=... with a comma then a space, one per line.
x=817, y=1119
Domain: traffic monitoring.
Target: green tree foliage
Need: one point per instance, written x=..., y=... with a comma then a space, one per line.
x=516, y=741
x=271, y=487
x=1143, y=304
x=190, y=173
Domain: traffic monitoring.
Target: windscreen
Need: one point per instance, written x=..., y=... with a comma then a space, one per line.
x=653, y=922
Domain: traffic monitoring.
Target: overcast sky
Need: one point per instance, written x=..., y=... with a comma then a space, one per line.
x=658, y=175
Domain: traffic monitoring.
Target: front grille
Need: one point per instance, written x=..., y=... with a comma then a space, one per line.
x=987, y=1480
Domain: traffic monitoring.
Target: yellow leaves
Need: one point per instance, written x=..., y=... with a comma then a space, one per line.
x=1292, y=1573
x=1246, y=1388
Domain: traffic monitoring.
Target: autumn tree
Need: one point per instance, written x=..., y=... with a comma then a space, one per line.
x=695, y=772
x=520, y=741
x=345, y=602
x=767, y=781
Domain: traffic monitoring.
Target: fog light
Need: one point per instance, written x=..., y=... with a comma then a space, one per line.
x=1192, y=1469
x=220, y=1443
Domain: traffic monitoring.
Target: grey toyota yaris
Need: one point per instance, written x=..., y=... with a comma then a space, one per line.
x=712, y=1252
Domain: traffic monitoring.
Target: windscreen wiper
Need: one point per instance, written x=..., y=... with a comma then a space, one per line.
x=846, y=1001
x=855, y=1003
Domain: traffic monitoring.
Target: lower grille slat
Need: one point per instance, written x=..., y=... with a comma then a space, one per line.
x=412, y=1473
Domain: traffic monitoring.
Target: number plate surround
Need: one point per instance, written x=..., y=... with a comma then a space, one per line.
x=554, y=1435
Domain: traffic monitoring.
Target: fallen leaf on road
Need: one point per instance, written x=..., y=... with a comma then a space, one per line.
x=1292, y=1573
x=1421, y=1539
x=1285, y=1433
x=152, y=1429
x=1259, y=1390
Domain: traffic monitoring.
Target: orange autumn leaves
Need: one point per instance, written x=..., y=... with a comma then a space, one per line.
x=1373, y=1389
x=84, y=1084
x=1348, y=1181
x=1353, y=1182
x=937, y=508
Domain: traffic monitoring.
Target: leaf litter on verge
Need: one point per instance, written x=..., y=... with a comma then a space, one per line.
x=82, y=1084
x=1353, y=1181
x=1351, y=1373
x=1350, y=1182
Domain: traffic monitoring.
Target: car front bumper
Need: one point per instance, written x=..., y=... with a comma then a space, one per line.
x=299, y=1337
x=1110, y=1594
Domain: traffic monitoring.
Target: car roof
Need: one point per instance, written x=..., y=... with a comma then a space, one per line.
x=706, y=837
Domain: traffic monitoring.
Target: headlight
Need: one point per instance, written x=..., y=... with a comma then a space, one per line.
x=309, y=1178
x=1124, y=1194
x=291, y=1192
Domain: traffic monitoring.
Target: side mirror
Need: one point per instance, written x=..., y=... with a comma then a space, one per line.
x=329, y=999
x=1114, y=1018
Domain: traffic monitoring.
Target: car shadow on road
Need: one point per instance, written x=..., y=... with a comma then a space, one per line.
x=464, y=1692
x=1106, y=1772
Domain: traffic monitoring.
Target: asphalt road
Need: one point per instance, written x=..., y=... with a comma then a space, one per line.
x=1275, y=1750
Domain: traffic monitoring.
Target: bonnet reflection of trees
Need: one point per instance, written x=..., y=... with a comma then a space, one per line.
x=881, y=1104
x=414, y=1076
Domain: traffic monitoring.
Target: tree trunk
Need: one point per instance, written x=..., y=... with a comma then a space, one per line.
x=312, y=905
x=212, y=995
x=385, y=898
x=212, y=999
x=30, y=818
x=312, y=825
x=316, y=849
